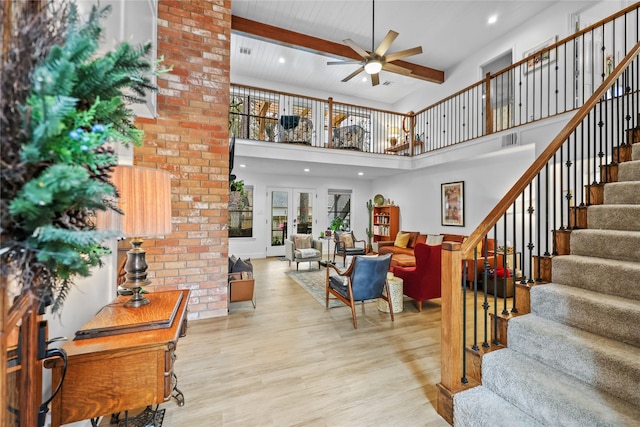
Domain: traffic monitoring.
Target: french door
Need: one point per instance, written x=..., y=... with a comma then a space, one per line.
x=290, y=212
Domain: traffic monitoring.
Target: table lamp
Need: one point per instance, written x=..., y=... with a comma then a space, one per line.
x=394, y=133
x=145, y=200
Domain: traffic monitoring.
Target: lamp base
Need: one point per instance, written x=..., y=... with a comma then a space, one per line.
x=137, y=300
x=136, y=268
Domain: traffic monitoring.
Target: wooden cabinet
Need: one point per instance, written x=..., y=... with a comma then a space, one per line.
x=122, y=359
x=386, y=222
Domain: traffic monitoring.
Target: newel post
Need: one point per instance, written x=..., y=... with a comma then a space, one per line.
x=487, y=105
x=451, y=330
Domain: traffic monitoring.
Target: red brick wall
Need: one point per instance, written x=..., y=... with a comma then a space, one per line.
x=190, y=139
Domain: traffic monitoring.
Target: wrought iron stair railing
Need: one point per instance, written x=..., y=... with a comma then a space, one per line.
x=530, y=225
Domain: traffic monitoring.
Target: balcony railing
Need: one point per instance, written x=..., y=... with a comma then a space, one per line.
x=555, y=78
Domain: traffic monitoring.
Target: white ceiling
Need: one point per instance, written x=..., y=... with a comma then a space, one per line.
x=448, y=31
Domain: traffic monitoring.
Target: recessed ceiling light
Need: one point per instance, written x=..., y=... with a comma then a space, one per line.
x=243, y=166
x=306, y=170
x=364, y=79
x=360, y=173
x=492, y=19
x=281, y=60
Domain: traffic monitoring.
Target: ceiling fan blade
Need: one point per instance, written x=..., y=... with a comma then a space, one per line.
x=360, y=51
x=352, y=75
x=375, y=79
x=386, y=43
x=348, y=61
x=393, y=68
x=403, y=54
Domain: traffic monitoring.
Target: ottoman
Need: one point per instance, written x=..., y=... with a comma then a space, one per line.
x=402, y=260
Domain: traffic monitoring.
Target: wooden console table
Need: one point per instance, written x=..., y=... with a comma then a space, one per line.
x=121, y=360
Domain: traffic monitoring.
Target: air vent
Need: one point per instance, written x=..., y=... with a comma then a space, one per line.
x=387, y=83
x=245, y=51
x=510, y=140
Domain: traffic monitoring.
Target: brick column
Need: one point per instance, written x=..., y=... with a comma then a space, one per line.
x=190, y=139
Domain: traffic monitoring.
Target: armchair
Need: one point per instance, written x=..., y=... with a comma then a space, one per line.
x=422, y=282
x=295, y=129
x=346, y=246
x=366, y=278
x=302, y=248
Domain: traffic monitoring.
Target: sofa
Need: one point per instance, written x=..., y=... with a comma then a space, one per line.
x=302, y=248
x=402, y=254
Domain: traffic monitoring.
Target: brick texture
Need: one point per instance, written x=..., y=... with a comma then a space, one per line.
x=190, y=139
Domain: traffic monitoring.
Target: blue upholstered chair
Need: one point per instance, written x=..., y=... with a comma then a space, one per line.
x=366, y=278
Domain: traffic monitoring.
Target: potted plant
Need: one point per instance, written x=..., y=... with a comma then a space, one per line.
x=67, y=102
x=238, y=197
x=337, y=224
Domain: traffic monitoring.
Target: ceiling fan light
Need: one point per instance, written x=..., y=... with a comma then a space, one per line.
x=373, y=66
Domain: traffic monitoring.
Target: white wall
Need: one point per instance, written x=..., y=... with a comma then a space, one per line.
x=255, y=247
x=487, y=169
x=553, y=21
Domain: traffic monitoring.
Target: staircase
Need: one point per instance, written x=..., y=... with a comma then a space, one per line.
x=575, y=359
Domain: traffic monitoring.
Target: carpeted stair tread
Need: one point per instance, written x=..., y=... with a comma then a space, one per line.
x=608, y=276
x=554, y=398
x=629, y=171
x=612, y=244
x=598, y=361
x=614, y=217
x=605, y=315
x=622, y=193
x=480, y=407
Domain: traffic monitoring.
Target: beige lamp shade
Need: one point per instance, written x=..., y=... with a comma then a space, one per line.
x=145, y=199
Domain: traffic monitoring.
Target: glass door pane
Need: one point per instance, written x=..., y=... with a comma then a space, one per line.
x=304, y=212
x=279, y=201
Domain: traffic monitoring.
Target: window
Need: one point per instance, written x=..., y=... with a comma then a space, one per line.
x=339, y=206
x=241, y=212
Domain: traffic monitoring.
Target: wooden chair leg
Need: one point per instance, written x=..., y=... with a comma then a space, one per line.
x=419, y=305
x=386, y=285
x=353, y=313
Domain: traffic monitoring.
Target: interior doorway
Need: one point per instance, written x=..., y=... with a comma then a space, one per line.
x=502, y=91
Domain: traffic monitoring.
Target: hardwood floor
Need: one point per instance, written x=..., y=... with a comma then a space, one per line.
x=291, y=362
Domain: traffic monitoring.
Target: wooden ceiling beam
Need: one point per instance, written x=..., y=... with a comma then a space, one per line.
x=295, y=40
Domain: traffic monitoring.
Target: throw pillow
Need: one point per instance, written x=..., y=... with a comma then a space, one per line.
x=413, y=235
x=347, y=240
x=302, y=241
x=422, y=238
x=242, y=265
x=402, y=239
x=434, y=239
x=232, y=261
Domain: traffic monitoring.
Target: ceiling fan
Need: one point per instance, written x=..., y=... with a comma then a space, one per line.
x=376, y=60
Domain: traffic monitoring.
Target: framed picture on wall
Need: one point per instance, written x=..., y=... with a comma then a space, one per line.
x=538, y=57
x=452, y=203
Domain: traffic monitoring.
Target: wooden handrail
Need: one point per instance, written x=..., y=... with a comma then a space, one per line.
x=501, y=208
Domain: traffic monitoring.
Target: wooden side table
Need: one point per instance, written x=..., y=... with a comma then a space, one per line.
x=397, y=297
x=122, y=359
